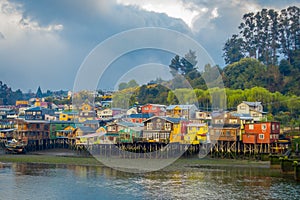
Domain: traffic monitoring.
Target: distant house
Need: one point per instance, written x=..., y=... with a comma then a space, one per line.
x=7, y=113
x=182, y=111
x=38, y=113
x=94, y=124
x=86, y=112
x=84, y=130
x=68, y=115
x=139, y=118
x=254, y=109
x=196, y=133
x=61, y=128
x=106, y=113
x=7, y=129
x=132, y=110
x=203, y=115
x=32, y=131
x=22, y=103
x=155, y=109
x=226, y=132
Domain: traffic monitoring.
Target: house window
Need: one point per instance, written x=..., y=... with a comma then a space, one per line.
x=227, y=133
x=158, y=125
x=273, y=126
x=168, y=126
x=242, y=107
x=261, y=136
x=146, y=108
x=149, y=126
x=264, y=127
x=233, y=121
x=251, y=126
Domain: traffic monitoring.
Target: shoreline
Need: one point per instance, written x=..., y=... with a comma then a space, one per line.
x=69, y=157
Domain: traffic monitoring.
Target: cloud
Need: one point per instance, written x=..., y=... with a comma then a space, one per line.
x=175, y=9
x=29, y=50
x=2, y=37
x=44, y=44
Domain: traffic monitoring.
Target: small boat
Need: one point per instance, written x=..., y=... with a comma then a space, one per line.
x=13, y=146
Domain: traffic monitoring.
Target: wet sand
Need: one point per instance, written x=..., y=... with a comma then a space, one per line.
x=69, y=157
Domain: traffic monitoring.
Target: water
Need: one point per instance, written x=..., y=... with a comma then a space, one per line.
x=36, y=181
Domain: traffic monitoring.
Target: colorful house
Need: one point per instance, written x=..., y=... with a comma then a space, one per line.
x=139, y=118
x=68, y=115
x=86, y=112
x=38, y=113
x=106, y=113
x=32, y=131
x=129, y=132
x=182, y=111
x=226, y=132
x=61, y=128
x=196, y=133
x=162, y=129
x=155, y=109
x=261, y=133
x=254, y=109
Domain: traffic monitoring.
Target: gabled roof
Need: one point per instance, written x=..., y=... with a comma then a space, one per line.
x=157, y=105
x=252, y=104
x=196, y=124
x=141, y=115
x=129, y=124
x=37, y=108
x=91, y=122
x=243, y=116
x=169, y=119
x=184, y=107
x=86, y=129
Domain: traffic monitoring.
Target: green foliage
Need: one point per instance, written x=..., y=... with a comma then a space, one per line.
x=185, y=64
x=233, y=49
x=130, y=84
x=245, y=73
x=9, y=97
x=266, y=35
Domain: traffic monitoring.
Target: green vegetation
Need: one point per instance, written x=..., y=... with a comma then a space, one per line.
x=49, y=159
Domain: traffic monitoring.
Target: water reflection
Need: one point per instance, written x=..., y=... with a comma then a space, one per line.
x=40, y=181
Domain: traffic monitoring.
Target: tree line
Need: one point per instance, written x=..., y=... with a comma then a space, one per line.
x=266, y=35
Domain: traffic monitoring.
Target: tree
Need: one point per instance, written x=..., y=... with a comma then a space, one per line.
x=130, y=84
x=233, y=49
x=175, y=65
x=189, y=62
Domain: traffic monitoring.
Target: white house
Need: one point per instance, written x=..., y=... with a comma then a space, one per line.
x=254, y=109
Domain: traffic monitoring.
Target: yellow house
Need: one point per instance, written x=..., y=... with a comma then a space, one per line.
x=178, y=131
x=67, y=132
x=22, y=103
x=196, y=133
x=67, y=116
x=87, y=112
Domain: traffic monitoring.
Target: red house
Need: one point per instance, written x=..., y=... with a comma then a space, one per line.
x=261, y=133
x=155, y=109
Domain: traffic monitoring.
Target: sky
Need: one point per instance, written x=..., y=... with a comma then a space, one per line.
x=46, y=43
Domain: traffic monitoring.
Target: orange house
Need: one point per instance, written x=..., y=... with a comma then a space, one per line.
x=155, y=109
x=261, y=133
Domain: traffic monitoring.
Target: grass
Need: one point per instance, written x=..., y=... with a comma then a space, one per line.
x=49, y=159
x=91, y=161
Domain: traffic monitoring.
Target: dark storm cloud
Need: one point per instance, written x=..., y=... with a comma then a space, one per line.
x=61, y=34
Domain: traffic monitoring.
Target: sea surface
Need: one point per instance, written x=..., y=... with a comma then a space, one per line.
x=44, y=181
